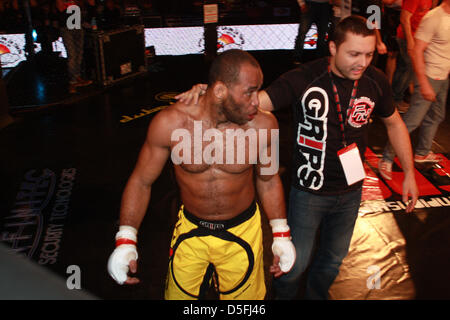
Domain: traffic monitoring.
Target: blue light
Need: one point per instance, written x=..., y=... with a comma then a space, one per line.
x=34, y=35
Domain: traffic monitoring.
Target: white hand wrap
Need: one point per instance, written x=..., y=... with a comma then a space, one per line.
x=282, y=245
x=125, y=251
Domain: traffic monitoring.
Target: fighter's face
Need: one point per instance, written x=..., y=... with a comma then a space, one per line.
x=353, y=56
x=241, y=103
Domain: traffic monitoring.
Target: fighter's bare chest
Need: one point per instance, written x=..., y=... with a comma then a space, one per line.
x=230, y=150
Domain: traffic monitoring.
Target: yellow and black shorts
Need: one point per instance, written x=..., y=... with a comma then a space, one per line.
x=231, y=251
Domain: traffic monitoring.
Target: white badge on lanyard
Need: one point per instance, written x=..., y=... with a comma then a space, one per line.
x=349, y=156
x=352, y=164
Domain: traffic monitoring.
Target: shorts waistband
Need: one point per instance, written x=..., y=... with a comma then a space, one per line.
x=216, y=225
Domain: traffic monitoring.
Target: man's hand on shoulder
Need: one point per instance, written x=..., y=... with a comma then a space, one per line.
x=192, y=96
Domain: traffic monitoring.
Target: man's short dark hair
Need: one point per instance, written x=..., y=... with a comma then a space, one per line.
x=226, y=66
x=354, y=24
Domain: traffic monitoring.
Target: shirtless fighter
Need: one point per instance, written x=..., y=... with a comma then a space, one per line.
x=218, y=233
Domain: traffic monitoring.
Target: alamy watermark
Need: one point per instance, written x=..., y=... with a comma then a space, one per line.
x=74, y=279
x=230, y=146
x=374, y=20
x=74, y=19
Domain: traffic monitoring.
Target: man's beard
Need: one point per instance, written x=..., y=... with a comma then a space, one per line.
x=230, y=110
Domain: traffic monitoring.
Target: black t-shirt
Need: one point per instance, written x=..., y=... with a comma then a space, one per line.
x=318, y=137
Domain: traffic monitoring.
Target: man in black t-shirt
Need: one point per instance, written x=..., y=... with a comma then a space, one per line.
x=333, y=99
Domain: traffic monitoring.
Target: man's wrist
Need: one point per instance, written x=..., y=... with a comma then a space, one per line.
x=280, y=228
x=126, y=235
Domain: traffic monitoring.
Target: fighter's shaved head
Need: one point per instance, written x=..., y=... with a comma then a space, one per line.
x=226, y=66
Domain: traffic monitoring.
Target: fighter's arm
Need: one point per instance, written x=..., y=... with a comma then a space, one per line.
x=401, y=143
x=271, y=198
x=136, y=196
x=268, y=182
x=152, y=158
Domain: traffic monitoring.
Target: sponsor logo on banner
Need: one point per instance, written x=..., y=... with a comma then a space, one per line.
x=11, y=50
x=35, y=224
x=229, y=38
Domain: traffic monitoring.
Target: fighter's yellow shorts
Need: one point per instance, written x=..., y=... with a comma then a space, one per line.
x=230, y=251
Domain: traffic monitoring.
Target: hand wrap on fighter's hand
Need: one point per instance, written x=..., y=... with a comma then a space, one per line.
x=118, y=263
x=282, y=245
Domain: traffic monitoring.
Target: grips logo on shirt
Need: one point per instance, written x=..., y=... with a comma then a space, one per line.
x=312, y=136
x=312, y=132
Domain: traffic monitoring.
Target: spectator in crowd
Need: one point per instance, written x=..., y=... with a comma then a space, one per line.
x=411, y=14
x=45, y=21
x=389, y=24
x=313, y=11
x=73, y=38
x=431, y=62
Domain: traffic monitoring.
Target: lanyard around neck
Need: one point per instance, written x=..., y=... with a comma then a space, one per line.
x=338, y=103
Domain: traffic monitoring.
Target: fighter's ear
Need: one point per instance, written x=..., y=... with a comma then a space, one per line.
x=220, y=90
x=332, y=47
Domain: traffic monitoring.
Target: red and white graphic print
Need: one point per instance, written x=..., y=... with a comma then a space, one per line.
x=360, y=113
